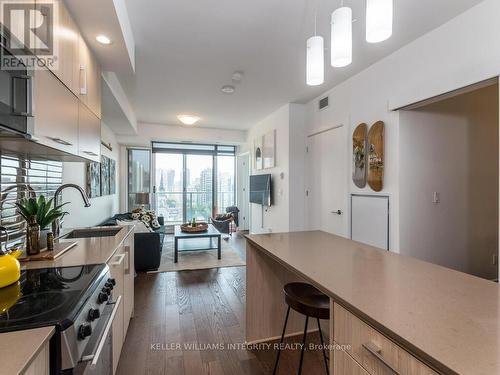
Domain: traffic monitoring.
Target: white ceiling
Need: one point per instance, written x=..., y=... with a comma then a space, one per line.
x=187, y=50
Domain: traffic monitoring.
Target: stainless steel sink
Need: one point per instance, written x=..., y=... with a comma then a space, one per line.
x=93, y=232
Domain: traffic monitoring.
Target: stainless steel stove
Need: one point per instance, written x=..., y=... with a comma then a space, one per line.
x=78, y=301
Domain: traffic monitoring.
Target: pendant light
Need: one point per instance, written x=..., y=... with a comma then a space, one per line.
x=315, y=59
x=379, y=15
x=341, y=30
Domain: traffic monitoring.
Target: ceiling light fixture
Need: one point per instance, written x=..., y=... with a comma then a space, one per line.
x=315, y=59
x=188, y=119
x=379, y=18
x=103, y=39
x=228, y=89
x=341, y=30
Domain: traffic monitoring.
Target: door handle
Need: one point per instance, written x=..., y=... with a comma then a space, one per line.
x=83, y=79
x=338, y=212
x=60, y=141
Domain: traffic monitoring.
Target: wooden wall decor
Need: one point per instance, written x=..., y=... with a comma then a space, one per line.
x=359, y=155
x=376, y=156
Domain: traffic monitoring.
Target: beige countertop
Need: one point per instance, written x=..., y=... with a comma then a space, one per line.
x=448, y=318
x=18, y=349
x=93, y=250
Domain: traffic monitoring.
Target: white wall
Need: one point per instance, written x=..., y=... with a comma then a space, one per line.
x=458, y=53
x=101, y=207
x=288, y=210
x=171, y=133
x=451, y=147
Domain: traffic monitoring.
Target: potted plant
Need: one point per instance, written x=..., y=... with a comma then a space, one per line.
x=42, y=211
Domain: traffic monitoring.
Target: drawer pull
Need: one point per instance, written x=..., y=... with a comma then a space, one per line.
x=374, y=350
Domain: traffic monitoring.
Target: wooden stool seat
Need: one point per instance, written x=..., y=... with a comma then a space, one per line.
x=307, y=300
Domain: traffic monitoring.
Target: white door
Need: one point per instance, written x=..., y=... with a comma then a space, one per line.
x=327, y=182
x=242, y=183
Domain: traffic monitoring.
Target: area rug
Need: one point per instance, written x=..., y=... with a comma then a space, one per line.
x=197, y=260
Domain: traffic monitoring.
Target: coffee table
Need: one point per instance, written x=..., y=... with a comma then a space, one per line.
x=210, y=234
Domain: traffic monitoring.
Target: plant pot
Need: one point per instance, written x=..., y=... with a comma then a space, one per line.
x=42, y=242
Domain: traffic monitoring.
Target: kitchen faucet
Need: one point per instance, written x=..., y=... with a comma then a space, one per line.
x=56, y=224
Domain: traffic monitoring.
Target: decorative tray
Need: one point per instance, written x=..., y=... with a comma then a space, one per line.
x=200, y=227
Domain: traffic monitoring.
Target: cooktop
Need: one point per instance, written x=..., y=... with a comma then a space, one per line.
x=48, y=296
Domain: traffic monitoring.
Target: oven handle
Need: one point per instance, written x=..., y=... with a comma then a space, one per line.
x=95, y=356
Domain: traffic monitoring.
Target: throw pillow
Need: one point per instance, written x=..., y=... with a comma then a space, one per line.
x=223, y=217
x=140, y=227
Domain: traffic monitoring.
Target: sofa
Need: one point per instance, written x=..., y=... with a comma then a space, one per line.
x=147, y=246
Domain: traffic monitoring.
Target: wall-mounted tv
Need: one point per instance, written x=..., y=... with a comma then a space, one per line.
x=260, y=189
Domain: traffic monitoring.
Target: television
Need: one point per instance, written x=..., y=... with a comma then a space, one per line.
x=260, y=189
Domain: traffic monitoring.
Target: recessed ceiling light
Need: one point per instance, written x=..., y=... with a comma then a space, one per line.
x=103, y=39
x=188, y=119
x=227, y=89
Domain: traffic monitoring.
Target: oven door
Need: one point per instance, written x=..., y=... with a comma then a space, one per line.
x=98, y=356
x=16, y=94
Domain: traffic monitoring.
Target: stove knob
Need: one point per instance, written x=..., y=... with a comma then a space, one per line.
x=85, y=330
x=102, y=297
x=93, y=314
x=109, y=285
x=106, y=290
x=112, y=281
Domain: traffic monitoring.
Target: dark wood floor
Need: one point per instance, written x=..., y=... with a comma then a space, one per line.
x=185, y=323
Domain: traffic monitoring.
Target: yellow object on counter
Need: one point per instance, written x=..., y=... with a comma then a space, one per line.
x=10, y=269
x=9, y=296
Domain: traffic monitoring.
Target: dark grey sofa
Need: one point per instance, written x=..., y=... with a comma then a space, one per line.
x=147, y=246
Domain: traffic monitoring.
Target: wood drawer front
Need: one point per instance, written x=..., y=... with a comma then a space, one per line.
x=343, y=364
x=350, y=330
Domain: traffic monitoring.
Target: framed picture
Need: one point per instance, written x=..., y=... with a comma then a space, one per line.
x=112, y=176
x=93, y=179
x=104, y=175
x=269, y=150
x=257, y=153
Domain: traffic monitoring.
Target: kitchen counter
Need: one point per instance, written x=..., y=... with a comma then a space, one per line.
x=448, y=319
x=92, y=250
x=18, y=349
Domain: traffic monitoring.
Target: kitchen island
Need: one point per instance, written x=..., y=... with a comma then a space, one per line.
x=389, y=313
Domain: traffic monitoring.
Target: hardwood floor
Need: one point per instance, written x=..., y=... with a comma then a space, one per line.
x=193, y=322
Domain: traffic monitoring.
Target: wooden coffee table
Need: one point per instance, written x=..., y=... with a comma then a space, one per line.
x=209, y=234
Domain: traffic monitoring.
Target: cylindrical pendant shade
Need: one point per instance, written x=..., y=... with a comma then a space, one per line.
x=341, y=49
x=315, y=61
x=379, y=14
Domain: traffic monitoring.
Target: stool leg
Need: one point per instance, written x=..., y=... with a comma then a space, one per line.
x=323, y=347
x=303, y=346
x=281, y=341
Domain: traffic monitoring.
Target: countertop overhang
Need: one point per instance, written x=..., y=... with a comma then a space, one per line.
x=447, y=318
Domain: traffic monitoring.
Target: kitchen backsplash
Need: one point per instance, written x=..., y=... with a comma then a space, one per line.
x=44, y=177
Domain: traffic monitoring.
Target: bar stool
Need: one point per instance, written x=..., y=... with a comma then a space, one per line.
x=308, y=301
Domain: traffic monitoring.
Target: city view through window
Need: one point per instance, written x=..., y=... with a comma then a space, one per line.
x=186, y=186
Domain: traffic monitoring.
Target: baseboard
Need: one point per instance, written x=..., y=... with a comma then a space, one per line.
x=279, y=337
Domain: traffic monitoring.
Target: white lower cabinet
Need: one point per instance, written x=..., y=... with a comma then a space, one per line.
x=122, y=269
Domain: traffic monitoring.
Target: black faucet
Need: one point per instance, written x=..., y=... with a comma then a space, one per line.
x=56, y=224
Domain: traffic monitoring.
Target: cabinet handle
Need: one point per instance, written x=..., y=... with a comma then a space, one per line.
x=118, y=262
x=60, y=141
x=90, y=153
x=374, y=350
x=127, y=251
x=83, y=79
